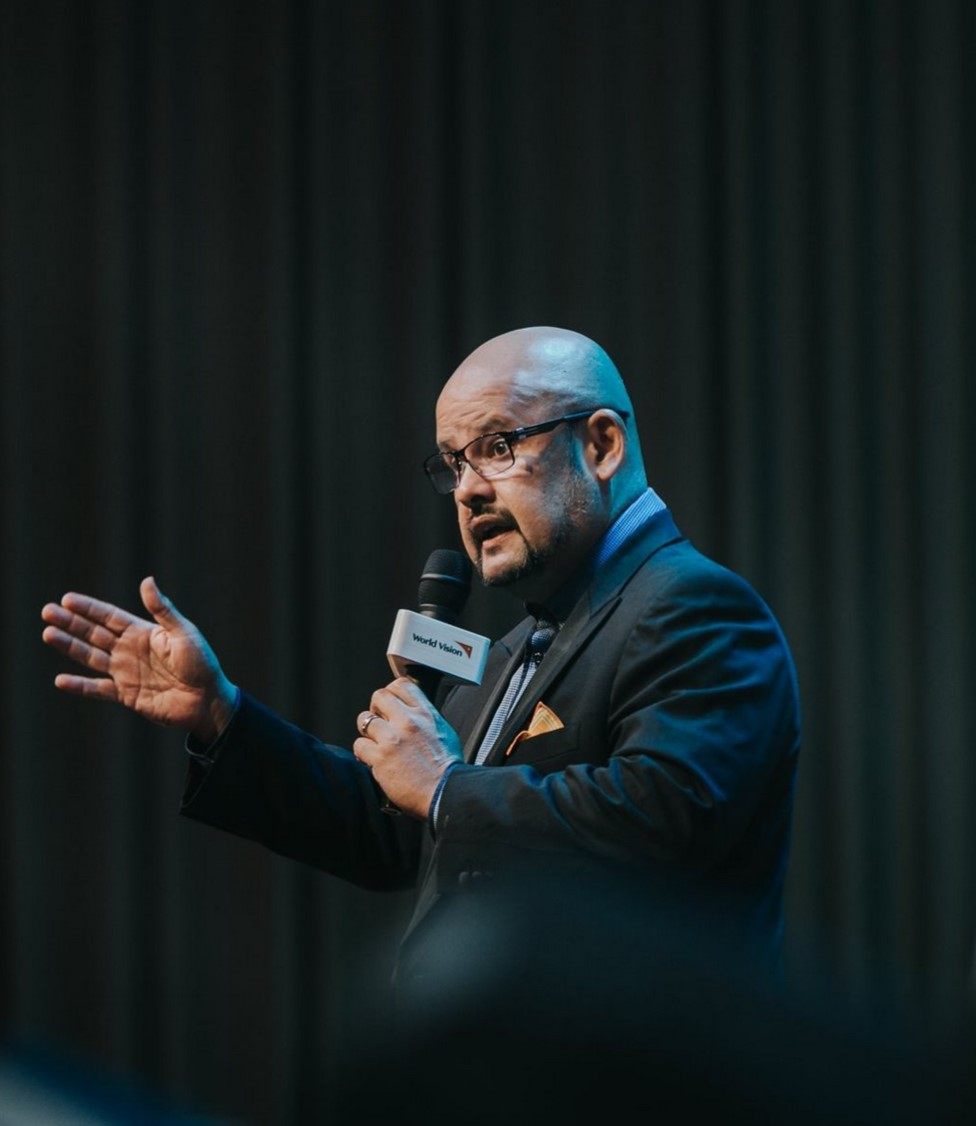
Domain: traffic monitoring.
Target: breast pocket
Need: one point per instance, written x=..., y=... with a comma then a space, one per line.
x=550, y=751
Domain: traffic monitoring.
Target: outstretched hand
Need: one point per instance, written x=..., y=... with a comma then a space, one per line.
x=164, y=670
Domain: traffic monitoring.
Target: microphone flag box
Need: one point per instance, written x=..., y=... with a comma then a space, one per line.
x=419, y=640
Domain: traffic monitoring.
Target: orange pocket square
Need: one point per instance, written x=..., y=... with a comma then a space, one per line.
x=543, y=719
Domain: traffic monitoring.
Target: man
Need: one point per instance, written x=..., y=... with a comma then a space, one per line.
x=642, y=720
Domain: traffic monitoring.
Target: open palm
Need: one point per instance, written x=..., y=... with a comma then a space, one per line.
x=164, y=670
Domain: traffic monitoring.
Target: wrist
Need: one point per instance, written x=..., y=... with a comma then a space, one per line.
x=218, y=711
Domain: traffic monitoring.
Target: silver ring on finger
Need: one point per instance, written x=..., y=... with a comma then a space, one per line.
x=366, y=722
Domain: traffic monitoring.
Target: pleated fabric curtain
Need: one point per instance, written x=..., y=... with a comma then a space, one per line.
x=242, y=246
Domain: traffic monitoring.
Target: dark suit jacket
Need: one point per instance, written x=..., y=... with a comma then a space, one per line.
x=675, y=763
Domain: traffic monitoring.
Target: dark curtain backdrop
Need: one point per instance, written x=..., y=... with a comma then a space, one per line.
x=243, y=245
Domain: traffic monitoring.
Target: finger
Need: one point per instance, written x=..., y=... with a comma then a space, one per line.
x=76, y=649
x=406, y=690
x=366, y=722
x=52, y=611
x=365, y=751
x=112, y=617
x=383, y=703
x=78, y=626
x=98, y=688
x=161, y=608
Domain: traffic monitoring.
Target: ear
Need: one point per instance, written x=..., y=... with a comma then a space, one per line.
x=606, y=444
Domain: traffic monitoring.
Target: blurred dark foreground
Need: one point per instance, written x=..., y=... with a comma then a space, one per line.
x=564, y=999
x=577, y=999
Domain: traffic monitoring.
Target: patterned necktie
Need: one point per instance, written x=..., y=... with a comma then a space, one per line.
x=542, y=637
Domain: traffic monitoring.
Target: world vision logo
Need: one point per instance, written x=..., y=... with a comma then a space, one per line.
x=467, y=648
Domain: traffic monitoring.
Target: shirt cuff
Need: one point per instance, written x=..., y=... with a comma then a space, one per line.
x=435, y=801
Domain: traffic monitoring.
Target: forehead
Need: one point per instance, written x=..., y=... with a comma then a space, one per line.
x=478, y=401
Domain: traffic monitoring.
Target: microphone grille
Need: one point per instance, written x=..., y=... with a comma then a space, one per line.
x=445, y=584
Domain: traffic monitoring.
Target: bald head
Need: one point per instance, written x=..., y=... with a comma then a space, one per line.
x=560, y=367
x=541, y=372
x=532, y=520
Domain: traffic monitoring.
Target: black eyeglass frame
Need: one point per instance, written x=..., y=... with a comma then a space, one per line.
x=434, y=463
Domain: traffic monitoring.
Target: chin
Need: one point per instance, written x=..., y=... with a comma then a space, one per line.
x=500, y=575
x=503, y=571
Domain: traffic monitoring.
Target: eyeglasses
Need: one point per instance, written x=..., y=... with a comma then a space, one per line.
x=490, y=454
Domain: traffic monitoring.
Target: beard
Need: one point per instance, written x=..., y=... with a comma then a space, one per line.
x=573, y=499
x=532, y=562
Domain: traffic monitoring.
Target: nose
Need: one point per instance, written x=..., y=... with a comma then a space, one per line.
x=472, y=489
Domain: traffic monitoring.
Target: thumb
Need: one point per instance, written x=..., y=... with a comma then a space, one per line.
x=159, y=605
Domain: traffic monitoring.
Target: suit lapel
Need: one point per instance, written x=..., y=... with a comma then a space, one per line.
x=477, y=733
x=589, y=613
x=569, y=641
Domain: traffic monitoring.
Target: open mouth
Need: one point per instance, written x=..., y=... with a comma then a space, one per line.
x=486, y=531
x=495, y=537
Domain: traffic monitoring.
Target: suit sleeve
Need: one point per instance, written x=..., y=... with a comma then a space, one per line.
x=278, y=785
x=701, y=725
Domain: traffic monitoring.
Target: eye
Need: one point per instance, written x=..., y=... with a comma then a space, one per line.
x=496, y=448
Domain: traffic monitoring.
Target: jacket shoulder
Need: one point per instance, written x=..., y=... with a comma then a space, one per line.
x=680, y=571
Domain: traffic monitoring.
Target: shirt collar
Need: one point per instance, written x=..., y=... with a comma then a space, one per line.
x=621, y=531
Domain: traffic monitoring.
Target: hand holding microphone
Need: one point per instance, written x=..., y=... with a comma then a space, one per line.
x=403, y=739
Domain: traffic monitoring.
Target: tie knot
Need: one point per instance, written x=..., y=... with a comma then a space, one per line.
x=542, y=637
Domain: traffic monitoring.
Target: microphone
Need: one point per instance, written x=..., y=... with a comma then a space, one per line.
x=429, y=646
x=444, y=585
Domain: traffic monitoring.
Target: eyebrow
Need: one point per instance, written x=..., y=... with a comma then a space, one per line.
x=495, y=424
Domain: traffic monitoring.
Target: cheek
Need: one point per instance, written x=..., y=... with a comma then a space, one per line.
x=539, y=522
x=466, y=540
x=529, y=514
